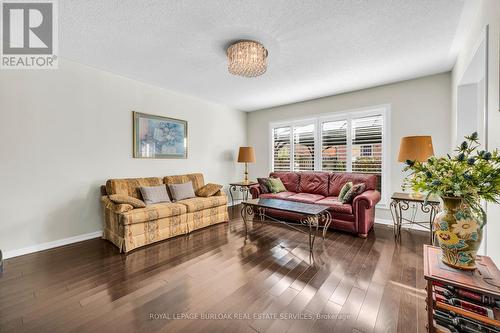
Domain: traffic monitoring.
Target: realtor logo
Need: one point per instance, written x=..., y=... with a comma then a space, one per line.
x=29, y=34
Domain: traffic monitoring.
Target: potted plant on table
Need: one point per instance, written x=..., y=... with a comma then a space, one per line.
x=463, y=182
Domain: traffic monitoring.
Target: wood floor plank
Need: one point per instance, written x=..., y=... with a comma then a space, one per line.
x=118, y=298
x=253, y=286
x=198, y=289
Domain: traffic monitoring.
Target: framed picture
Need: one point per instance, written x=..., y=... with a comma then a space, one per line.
x=159, y=137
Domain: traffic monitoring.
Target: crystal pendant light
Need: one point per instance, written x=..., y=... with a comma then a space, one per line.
x=247, y=58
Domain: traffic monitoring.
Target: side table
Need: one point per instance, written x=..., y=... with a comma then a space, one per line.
x=401, y=202
x=449, y=294
x=243, y=187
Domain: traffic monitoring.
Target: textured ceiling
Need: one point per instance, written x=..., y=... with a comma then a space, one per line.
x=316, y=48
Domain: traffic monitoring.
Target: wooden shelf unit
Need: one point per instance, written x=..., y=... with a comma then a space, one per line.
x=485, y=280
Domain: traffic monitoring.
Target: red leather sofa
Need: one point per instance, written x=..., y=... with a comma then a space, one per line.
x=323, y=188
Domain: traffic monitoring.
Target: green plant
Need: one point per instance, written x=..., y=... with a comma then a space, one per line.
x=471, y=174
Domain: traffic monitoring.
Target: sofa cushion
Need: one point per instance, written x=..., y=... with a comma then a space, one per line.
x=275, y=185
x=335, y=205
x=281, y=195
x=195, y=178
x=290, y=179
x=154, y=194
x=125, y=199
x=116, y=208
x=263, y=185
x=122, y=208
x=130, y=186
x=201, y=203
x=337, y=180
x=208, y=190
x=353, y=192
x=314, y=182
x=305, y=197
x=181, y=191
x=343, y=191
x=152, y=212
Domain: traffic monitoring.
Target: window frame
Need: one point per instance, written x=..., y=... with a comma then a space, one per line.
x=319, y=119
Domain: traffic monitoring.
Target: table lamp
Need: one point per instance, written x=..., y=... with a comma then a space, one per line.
x=415, y=148
x=246, y=155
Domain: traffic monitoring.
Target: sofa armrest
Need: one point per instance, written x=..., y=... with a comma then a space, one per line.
x=255, y=191
x=364, y=210
x=369, y=198
x=115, y=208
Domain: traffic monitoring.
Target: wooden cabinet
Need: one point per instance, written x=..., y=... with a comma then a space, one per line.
x=461, y=298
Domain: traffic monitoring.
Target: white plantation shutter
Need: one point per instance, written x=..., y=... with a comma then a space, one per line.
x=367, y=148
x=303, y=147
x=281, y=148
x=352, y=142
x=334, y=146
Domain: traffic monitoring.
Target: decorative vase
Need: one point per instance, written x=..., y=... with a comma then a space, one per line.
x=458, y=233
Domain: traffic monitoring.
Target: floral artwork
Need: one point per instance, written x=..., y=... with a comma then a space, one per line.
x=159, y=137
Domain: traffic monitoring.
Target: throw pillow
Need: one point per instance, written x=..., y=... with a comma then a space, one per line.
x=154, y=194
x=125, y=199
x=208, y=190
x=122, y=208
x=275, y=185
x=353, y=192
x=343, y=191
x=263, y=185
x=181, y=191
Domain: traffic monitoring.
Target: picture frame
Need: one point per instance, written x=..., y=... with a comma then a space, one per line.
x=159, y=137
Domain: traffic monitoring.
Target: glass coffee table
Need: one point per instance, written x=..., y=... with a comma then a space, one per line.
x=313, y=214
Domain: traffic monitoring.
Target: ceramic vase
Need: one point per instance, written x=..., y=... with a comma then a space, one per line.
x=458, y=233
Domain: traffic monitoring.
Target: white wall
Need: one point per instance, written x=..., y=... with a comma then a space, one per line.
x=418, y=107
x=467, y=110
x=488, y=14
x=64, y=132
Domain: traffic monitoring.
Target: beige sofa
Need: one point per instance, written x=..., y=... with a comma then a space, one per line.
x=129, y=228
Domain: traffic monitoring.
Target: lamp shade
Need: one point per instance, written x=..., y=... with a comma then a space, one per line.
x=246, y=155
x=415, y=148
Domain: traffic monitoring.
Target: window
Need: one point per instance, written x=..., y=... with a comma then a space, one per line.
x=350, y=142
x=303, y=147
x=367, y=146
x=281, y=148
x=334, y=146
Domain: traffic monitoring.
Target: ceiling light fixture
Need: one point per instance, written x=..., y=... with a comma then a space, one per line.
x=247, y=58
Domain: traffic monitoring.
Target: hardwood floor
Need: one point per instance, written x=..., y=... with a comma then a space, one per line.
x=263, y=284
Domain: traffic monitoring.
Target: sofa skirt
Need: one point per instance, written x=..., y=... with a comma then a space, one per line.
x=132, y=236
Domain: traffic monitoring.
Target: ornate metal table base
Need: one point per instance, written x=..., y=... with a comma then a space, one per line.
x=243, y=187
x=310, y=221
x=400, y=204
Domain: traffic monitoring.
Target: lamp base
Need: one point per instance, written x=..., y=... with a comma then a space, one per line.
x=246, y=174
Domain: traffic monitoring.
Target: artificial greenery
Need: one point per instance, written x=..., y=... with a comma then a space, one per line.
x=472, y=175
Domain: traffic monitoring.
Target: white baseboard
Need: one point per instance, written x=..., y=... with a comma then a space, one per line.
x=50, y=245
x=391, y=223
x=383, y=221
x=236, y=202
